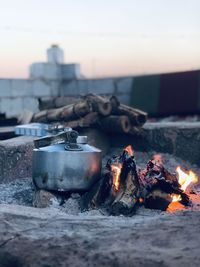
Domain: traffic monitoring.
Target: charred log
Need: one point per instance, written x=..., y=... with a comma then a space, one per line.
x=107, y=196
x=127, y=200
x=158, y=185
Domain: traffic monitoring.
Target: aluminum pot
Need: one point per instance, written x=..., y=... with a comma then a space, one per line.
x=55, y=168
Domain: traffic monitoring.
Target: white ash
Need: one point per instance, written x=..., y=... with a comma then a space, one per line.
x=18, y=192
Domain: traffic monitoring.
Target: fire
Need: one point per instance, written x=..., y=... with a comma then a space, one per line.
x=185, y=180
x=129, y=150
x=116, y=175
x=116, y=168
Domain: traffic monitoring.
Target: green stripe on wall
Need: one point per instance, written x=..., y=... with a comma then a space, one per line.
x=198, y=102
x=146, y=93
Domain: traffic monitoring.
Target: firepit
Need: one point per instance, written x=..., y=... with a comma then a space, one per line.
x=114, y=201
x=137, y=212
x=62, y=232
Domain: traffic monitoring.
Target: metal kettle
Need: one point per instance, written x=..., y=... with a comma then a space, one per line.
x=65, y=162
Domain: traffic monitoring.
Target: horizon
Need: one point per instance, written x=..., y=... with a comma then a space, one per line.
x=108, y=38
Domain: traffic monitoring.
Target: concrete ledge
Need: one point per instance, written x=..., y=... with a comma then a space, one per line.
x=178, y=139
x=181, y=139
x=16, y=158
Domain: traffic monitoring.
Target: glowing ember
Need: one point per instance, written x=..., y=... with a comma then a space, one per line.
x=185, y=180
x=116, y=175
x=130, y=150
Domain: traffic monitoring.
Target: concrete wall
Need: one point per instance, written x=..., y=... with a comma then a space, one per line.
x=17, y=95
x=121, y=87
x=165, y=94
x=168, y=94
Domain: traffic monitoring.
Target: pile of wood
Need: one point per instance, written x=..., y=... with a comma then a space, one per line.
x=153, y=187
x=94, y=111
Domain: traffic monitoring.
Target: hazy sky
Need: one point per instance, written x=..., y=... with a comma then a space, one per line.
x=108, y=37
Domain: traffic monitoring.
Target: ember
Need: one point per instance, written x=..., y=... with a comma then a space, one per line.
x=185, y=181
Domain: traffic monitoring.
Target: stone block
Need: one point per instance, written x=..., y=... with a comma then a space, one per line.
x=55, y=88
x=31, y=104
x=69, y=88
x=124, y=85
x=5, y=88
x=20, y=87
x=70, y=71
x=12, y=106
x=102, y=86
x=40, y=88
x=16, y=158
x=46, y=71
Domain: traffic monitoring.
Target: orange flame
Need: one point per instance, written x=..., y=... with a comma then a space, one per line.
x=116, y=168
x=129, y=150
x=185, y=180
x=116, y=175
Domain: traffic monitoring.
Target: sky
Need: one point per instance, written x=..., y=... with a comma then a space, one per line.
x=107, y=37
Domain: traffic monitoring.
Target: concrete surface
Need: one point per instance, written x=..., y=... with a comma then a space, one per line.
x=16, y=158
x=47, y=237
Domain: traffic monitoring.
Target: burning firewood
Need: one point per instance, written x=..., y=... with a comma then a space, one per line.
x=158, y=186
x=117, y=191
x=123, y=188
